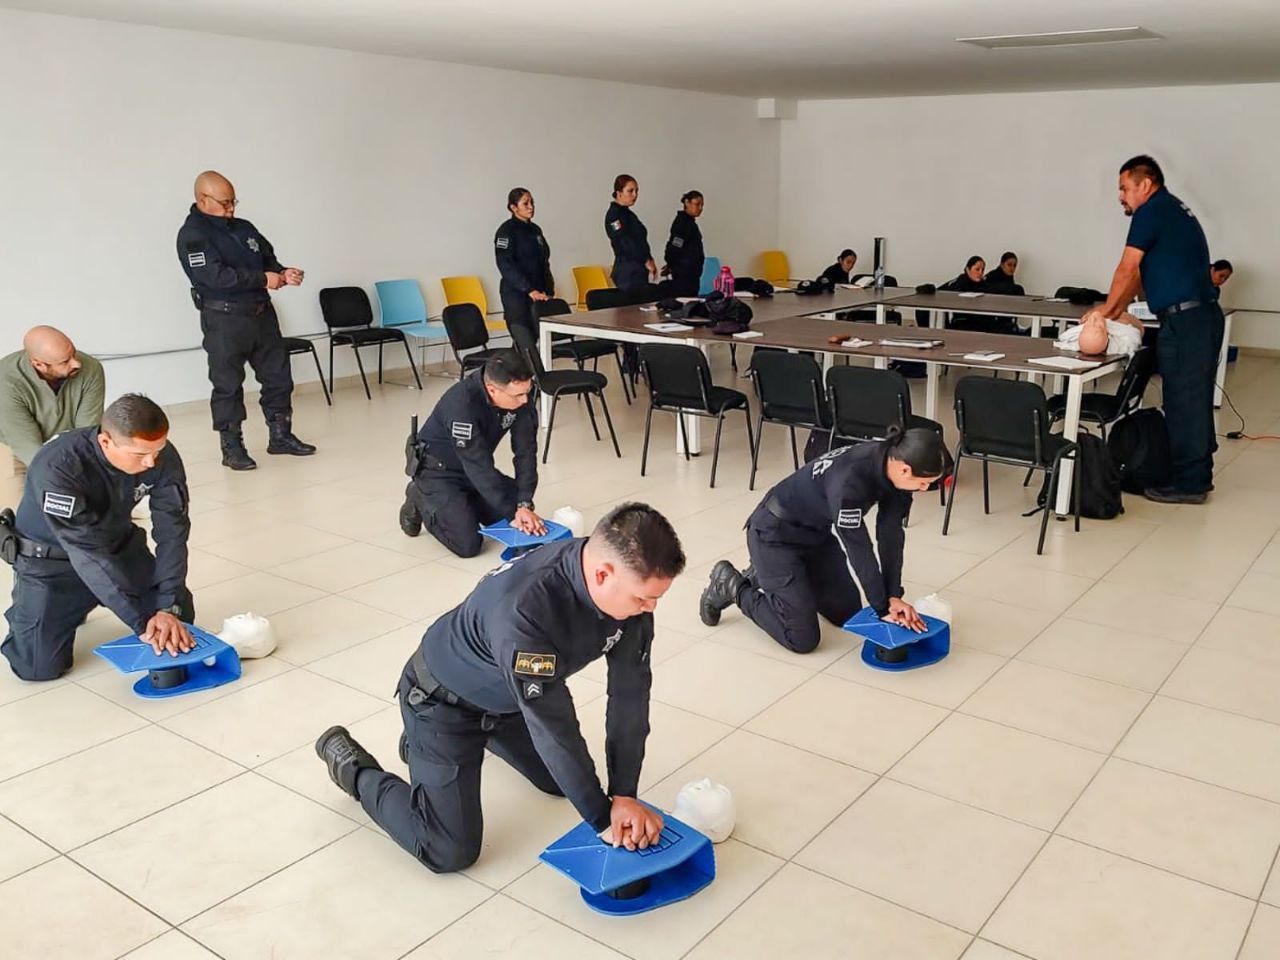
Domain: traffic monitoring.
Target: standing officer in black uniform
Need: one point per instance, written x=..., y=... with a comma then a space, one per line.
x=231, y=267
x=633, y=265
x=455, y=485
x=524, y=260
x=808, y=540
x=74, y=546
x=491, y=673
x=684, y=254
x=1167, y=253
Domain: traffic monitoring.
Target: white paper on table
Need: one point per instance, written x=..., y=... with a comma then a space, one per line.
x=744, y=295
x=688, y=299
x=1065, y=363
x=863, y=282
x=984, y=356
x=1056, y=300
x=748, y=335
x=649, y=309
x=910, y=342
x=826, y=315
x=855, y=343
x=970, y=294
x=669, y=326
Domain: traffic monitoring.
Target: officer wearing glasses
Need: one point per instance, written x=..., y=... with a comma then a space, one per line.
x=231, y=267
x=455, y=484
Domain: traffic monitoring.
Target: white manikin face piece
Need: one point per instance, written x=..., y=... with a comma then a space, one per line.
x=707, y=806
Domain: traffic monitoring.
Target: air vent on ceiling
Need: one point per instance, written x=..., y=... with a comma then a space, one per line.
x=1063, y=38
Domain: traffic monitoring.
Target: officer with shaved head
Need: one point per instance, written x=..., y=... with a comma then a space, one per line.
x=47, y=387
x=232, y=267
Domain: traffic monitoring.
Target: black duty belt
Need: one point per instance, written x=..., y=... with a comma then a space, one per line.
x=236, y=306
x=431, y=690
x=1182, y=307
x=41, y=551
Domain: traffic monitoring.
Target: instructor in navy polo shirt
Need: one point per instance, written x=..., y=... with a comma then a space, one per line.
x=1167, y=253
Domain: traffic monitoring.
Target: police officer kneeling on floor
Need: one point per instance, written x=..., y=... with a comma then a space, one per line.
x=491, y=674
x=808, y=540
x=74, y=547
x=455, y=485
x=231, y=267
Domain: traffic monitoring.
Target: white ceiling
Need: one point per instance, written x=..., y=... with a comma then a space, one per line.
x=791, y=48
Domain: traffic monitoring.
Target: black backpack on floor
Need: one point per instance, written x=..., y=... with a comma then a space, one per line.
x=1139, y=447
x=1099, y=481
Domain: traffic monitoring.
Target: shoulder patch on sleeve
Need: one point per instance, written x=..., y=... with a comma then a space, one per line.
x=461, y=431
x=849, y=519
x=502, y=242
x=59, y=505
x=677, y=242
x=535, y=664
x=616, y=225
x=195, y=259
x=532, y=689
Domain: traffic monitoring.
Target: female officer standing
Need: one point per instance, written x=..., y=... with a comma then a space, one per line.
x=684, y=256
x=633, y=265
x=524, y=260
x=808, y=540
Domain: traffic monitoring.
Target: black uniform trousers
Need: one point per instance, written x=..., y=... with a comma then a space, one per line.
x=452, y=510
x=793, y=585
x=685, y=283
x=50, y=602
x=436, y=816
x=231, y=340
x=629, y=274
x=1188, y=351
x=518, y=309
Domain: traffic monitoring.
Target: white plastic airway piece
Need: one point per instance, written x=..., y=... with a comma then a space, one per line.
x=250, y=635
x=572, y=519
x=934, y=606
x=707, y=806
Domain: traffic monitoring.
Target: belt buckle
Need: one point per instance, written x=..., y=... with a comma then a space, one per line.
x=416, y=697
x=488, y=722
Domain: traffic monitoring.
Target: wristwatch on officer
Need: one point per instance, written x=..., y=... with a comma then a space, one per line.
x=525, y=505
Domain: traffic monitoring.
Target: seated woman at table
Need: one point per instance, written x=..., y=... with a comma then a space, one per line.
x=972, y=280
x=1000, y=279
x=842, y=270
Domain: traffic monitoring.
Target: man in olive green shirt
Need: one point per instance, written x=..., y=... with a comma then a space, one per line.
x=45, y=389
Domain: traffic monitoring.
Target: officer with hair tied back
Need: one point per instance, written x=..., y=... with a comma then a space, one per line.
x=809, y=543
x=633, y=265
x=684, y=254
x=524, y=261
x=455, y=485
x=491, y=674
x=74, y=546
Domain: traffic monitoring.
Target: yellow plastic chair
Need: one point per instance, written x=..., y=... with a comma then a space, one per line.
x=469, y=290
x=775, y=267
x=588, y=278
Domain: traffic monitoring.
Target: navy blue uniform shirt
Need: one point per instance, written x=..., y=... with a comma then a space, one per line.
x=1175, y=262
x=226, y=258
x=627, y=235
x=465, y=428
x=523, y=256
x=831, y=497
x=75, y=499
x=684, y=253
x=525, y=629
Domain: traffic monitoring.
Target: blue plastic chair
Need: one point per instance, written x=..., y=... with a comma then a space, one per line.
x=404, y=309
x=710, y=270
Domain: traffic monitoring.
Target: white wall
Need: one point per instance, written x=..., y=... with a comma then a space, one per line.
x=946, y=177
x=357, y=167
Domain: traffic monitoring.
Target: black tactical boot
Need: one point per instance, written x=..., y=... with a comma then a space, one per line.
x=345, y=758
x=721, y=592
x=234, y=455
x=410, y=519
x=283, y=441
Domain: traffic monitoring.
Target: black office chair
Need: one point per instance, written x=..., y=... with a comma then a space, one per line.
x=349, y=318
x=1104, y=409
x=789, y=387
x=299, y=345
x=679, y=382
x=565, y=346
x=1007, y=421
x=464, y=323
x=866, y=402
x=610, y=298
x=564, y=383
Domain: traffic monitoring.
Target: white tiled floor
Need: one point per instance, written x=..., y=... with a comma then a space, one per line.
x=1093, y=773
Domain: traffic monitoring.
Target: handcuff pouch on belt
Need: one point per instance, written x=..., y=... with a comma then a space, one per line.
x=8, y=537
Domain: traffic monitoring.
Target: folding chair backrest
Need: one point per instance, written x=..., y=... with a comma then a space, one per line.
x=789, y=386
x=467, y=290
x=465, y=325
x=1002, y=418
x=710, y=270
x=554, y=307
x=866, y=402
x=774, y=266
x=1133, y=383
x=677, y=374
x=401, y=302
x=527, y=347
x=607, y=298
x=345, y=307
x=587, y=278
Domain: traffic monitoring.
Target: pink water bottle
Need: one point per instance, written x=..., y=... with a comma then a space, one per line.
x=724, y=282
